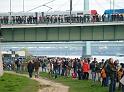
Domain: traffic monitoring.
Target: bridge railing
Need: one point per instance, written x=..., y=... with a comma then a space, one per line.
x=59, y=19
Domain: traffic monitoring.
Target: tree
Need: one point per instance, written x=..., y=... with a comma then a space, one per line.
x=28, y=56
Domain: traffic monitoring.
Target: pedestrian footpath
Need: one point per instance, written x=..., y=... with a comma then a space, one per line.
x=50, y=86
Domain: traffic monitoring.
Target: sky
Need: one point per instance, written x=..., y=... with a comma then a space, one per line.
x=57, y=5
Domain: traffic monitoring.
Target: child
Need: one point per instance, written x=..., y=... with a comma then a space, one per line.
x=74, y=75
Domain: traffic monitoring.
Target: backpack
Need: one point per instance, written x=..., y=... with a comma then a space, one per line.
x=74, y=75
x=103, y=73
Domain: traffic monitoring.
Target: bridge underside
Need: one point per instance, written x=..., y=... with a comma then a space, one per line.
x=78, y=33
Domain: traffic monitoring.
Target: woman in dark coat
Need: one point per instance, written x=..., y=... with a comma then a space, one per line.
x=112, y=72
x=30, y=67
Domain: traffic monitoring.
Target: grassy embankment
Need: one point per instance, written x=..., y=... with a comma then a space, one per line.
x=15, y=83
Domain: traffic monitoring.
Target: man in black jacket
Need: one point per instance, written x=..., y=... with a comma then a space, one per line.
x=30, y=67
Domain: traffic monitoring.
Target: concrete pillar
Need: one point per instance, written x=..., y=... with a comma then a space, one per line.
x=86, y=4
x=1, y=62
x=87, y=49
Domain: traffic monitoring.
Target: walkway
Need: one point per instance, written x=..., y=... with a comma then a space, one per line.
x=50, y=85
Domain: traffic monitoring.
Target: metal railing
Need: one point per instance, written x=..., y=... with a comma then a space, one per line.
x=4, y=20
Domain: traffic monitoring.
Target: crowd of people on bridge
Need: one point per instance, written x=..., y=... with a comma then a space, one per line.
x=52, y=19
x=108, y=72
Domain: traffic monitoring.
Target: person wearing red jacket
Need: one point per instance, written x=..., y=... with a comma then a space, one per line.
x=86, y=68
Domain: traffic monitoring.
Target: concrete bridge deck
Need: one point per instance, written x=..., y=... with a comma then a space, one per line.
x=62, y=25
x=98, y=31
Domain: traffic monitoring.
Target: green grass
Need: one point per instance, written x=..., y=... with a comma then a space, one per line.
x=79, y=85
x=15, y=83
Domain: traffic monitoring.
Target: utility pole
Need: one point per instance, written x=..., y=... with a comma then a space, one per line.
x=10, y=11
x=23, y=6
x=113, y=6
x=110, y=4
x=10, y=6
x=86, y=5
x=70, y=10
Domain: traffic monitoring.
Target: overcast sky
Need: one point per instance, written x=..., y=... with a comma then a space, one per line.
x=57, y=5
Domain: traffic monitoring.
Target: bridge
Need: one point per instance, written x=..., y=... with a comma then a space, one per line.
x=102, y=31
x=61, y=44
x=93, y=31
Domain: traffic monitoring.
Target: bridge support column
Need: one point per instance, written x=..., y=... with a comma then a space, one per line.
x=1, y=62
x=87, y=49
x=86, y=4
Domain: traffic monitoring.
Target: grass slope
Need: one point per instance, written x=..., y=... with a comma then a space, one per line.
x=15, y=83
x=79, y=85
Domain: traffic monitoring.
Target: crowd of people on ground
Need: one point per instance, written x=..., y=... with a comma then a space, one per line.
x=51, y=19
x=108, y=72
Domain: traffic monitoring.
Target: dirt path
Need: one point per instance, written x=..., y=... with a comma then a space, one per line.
x=50, y=86
x=54, y=87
